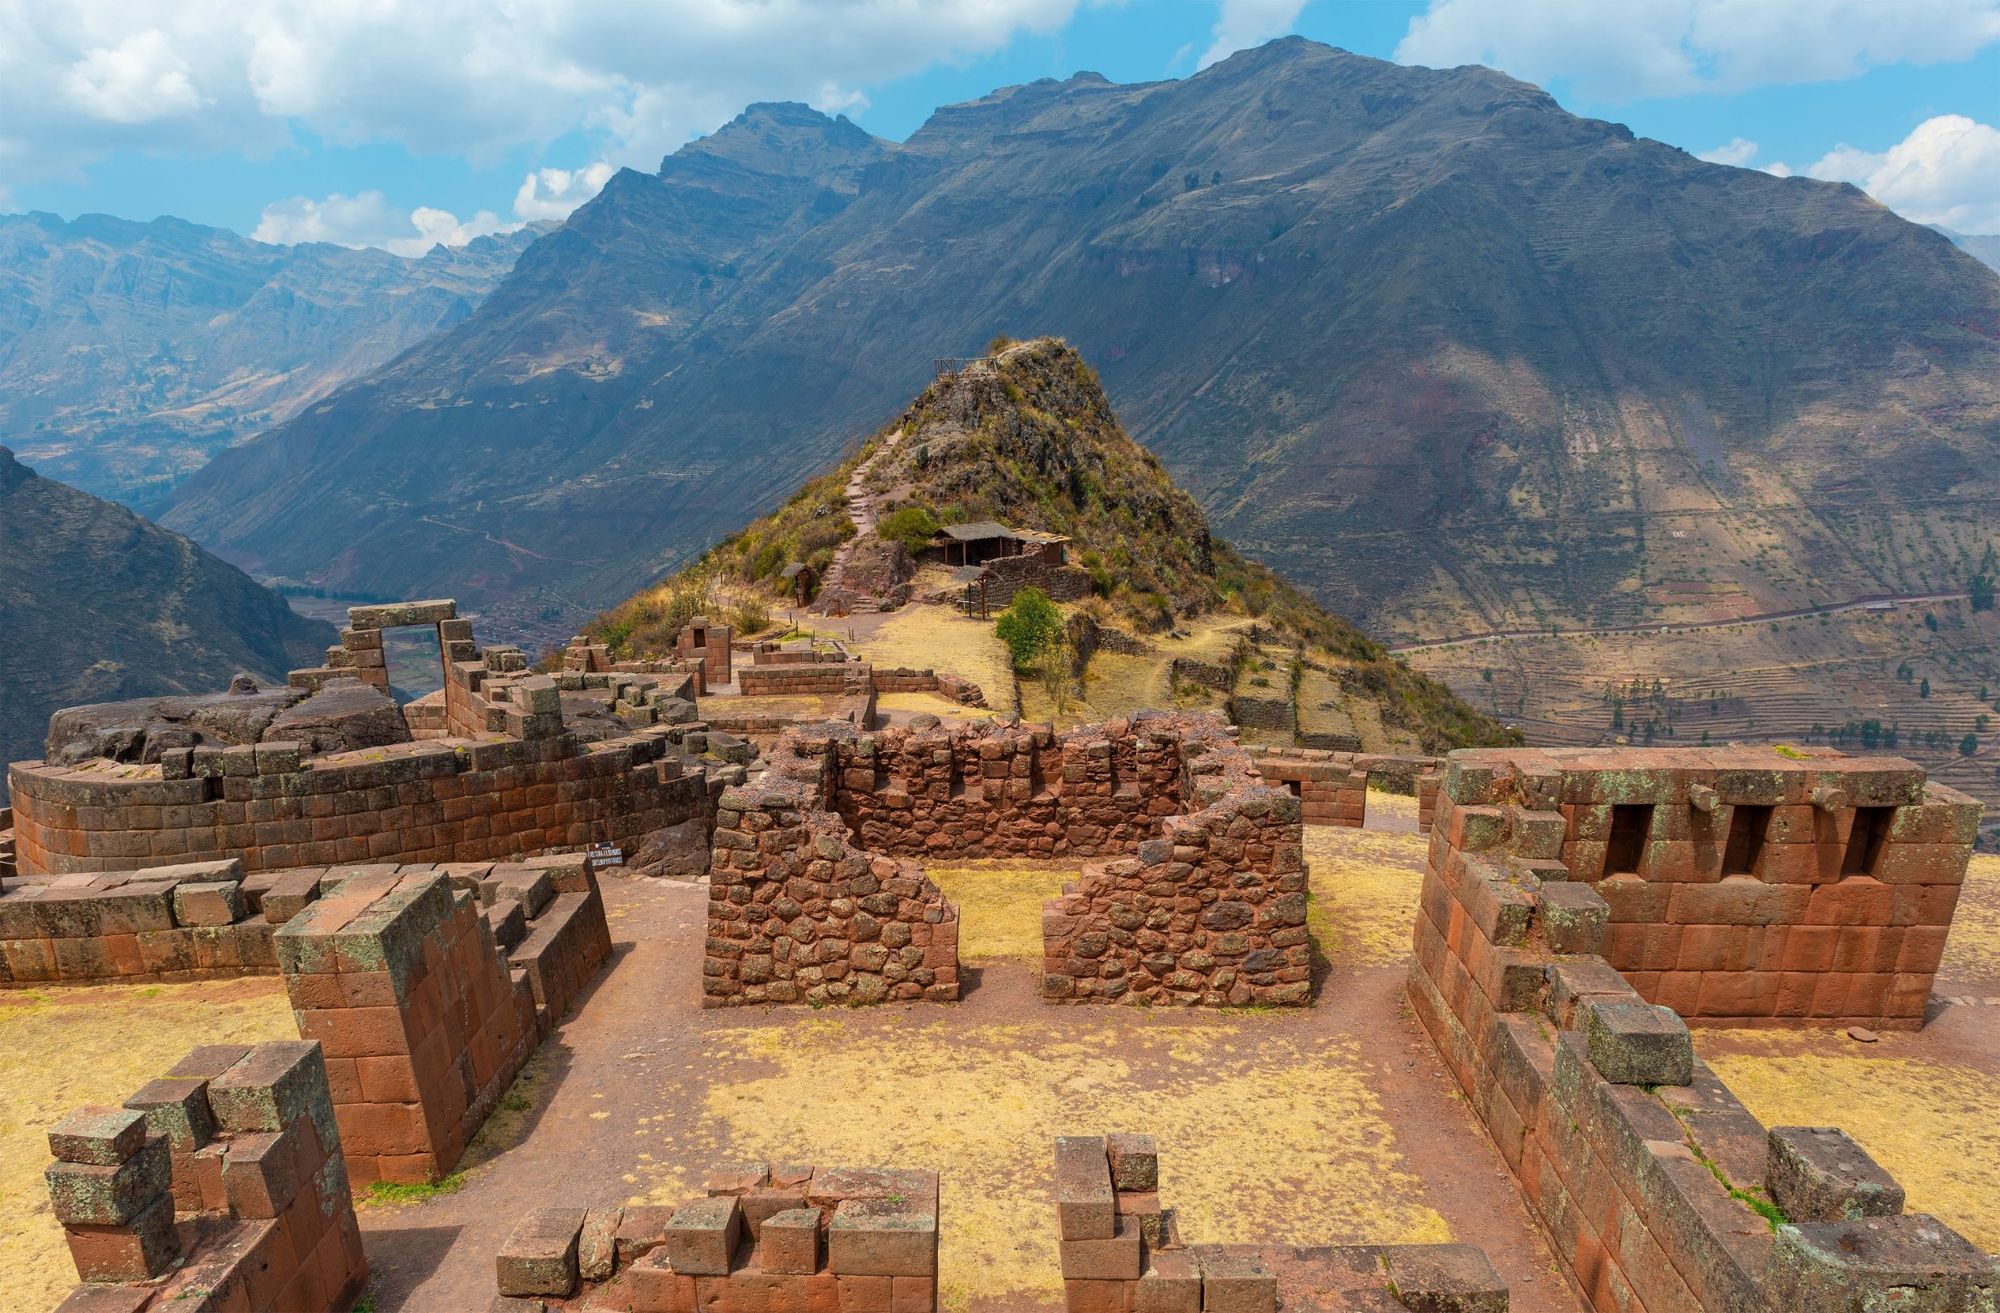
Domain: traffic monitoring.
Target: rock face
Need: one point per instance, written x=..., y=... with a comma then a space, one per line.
x=98, y=605
x=1426, y=340
x=343, y=715
x=129, y=352
x=141, y=729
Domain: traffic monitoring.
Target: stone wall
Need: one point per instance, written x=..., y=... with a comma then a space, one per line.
x=1122, y=1252
x=1745, y=887
x=1025, y=791
x=902, y=679
x=482, y=800
x=1332, y=787
x=245, y=1142
x=707, y=644
x=1212, y=912
x=195, y=921
x=818, y=678
x=797, y=913
x=1008, y=575
x=764, y=1238
x=427, y=1006
x=1634, y=1158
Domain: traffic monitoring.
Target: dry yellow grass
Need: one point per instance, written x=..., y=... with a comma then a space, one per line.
x=1118, y=684
x=1930, y=1123
x=1262, y=1136
x=1974, y=947
x=942, y=707
x=938, y=638
x=1365, y=885
x=1000, y=905
x=60, y=1048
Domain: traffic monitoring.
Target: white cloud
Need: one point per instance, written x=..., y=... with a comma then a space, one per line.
x=1640, y=48
x=139, y=79
x=1737, y=151
x=461, y=77
x=1947, y=172
x=553, y=193
x=1246, y=23
x=368, y=219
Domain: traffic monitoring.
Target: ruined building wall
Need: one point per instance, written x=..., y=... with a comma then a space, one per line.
x=1332, y=787
x=483, y=800
x=1745, y=887
x=764, y=1238
x=1212, y=912
x=244, y=1139
x=1122, y=1251
x=1022, y=791
x=1634, y=1158
x=425, y=1011
x=798, y=913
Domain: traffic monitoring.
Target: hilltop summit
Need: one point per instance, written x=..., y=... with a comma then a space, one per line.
x=1023, y=440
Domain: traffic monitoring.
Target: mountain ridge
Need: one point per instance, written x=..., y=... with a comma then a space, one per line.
x=1455, y=357
x=130, y=351
x=98, y=604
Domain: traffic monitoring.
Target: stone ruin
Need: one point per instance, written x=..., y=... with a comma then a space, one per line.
x=1332, y=786
x=491, y=769
x=242, y=1143
x=764, y=1238
x=809, y=900
x=1656, y=1187
x=767, y=1238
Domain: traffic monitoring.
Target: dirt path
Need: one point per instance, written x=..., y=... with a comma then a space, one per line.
x=1332, y=1125
x=1882, y=603
x=862, y=508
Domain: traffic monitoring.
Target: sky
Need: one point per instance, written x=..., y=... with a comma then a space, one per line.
x=400, y=123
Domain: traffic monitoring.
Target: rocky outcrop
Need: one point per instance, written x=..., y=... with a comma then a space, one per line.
x=343, y=715
x=141, y=729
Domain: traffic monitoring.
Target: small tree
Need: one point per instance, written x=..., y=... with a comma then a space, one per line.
x=1968, y=745
x=1924, y=689
x=912, y=526
x=1029, y=625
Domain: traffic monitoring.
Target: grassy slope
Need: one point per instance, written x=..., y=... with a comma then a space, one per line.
x=1027, y=437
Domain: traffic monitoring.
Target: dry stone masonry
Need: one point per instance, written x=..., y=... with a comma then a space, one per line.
x=764, y=1238
x=1122, y=1251
x=1744, y=887
x=242, y=1142
x=1212, y=912
x=1636, y=1160
x=798, y=913
x=1332, y=787
x=498, y=774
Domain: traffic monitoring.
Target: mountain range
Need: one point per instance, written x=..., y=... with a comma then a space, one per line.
x=97, y=604
x=1452, y=357
x=132, y=352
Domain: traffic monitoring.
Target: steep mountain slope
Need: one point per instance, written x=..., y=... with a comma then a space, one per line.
x=129, y=352
x=1025, y=435
x=1983, y=247
x=97, y=604
x=1452, y=357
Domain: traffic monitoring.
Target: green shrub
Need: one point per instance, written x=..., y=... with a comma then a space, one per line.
x=912, y=526
x=768, y=559
x=1029, y=626
x=750, y=615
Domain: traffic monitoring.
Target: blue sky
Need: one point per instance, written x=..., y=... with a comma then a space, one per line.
x=405, y=121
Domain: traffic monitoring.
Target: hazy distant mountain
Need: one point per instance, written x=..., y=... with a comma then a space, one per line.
x=130, y=352
x=97, y=604
x=1984, y=247
x=1449, y=356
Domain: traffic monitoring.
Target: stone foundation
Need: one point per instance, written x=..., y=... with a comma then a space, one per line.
x=1638, y=1163
x=765, y=1238
x=243, y=1142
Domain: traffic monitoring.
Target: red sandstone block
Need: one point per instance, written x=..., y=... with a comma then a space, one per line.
x=1922, y=950
x=383, y=1128
x=1679, y=990
x=355, y=1032
x=1923, y=863
x=1929, y=904
x=655, y=1287
x=387, y=1079
x=1909, y=995
x=1739, y=994
x=1857, y=900
x=1717, y=948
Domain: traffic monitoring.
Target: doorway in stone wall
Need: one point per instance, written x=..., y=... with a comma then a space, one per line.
x=1385, y=806
x=415, y=659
